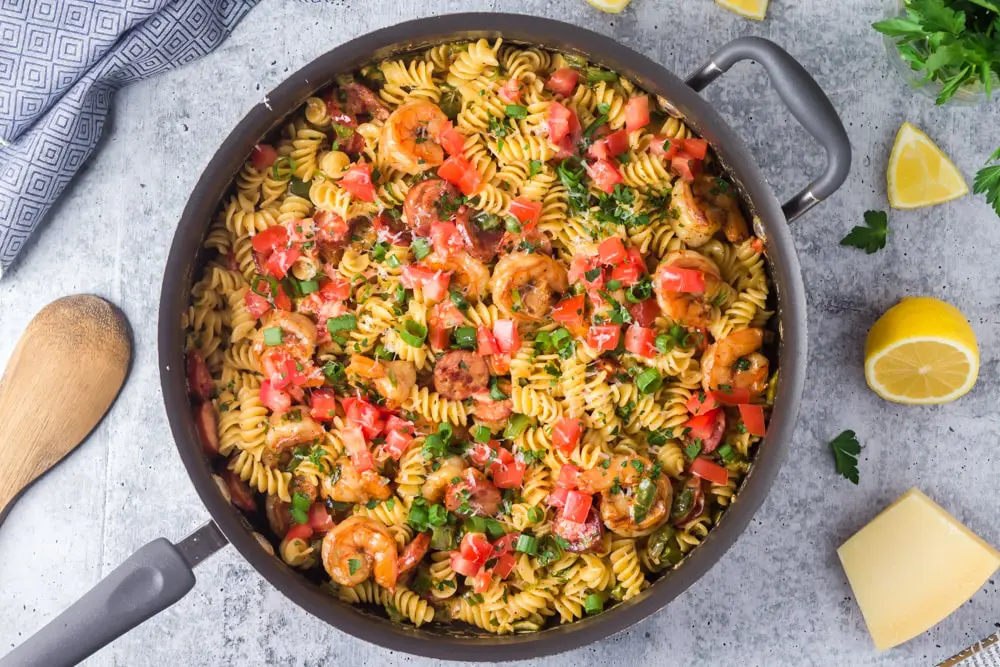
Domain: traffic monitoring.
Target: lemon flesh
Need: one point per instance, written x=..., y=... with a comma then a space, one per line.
x=920, y=174
x=921, y=351
x=609, y=6
x=751, y=9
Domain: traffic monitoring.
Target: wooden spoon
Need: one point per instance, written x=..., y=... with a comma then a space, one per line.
x=63, y=377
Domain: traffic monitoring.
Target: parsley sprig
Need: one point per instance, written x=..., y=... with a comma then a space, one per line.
x=953, y=42
x=988, y=179
x=846, y=449
x=871, y=237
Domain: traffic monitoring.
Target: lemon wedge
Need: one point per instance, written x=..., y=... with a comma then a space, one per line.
x=921, y=351
x=751, y=9
x=920, y=174
x=609, y=6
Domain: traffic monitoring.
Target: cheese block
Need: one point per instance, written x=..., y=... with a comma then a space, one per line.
x=912, y=566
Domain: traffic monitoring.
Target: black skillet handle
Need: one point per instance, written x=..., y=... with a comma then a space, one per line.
x=153, y=578
x=804, y=98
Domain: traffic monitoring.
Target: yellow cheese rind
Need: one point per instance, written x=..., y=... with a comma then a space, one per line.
x=912, y=566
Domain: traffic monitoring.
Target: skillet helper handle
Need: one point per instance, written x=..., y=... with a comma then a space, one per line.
x=153, y=578
x=804, y=98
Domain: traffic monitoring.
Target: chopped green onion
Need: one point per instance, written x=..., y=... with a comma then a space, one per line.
x=475, y=524
x=334, y=371
x=308, y=286
x=516, y=111
x=536, y=514
x=612, y=285
x=299, y=187
x=648, y=381
x=280, y=164
x=421, y=247
x=595, y=74
x=560, y=337
x=298, y=515
x=593, y=604
x=353, y=565
x=437, y=515
x=442, y=538
x=465, y=338
x=457, y=299
x=482, y=434
x=512, y=224
x=726, y=453
x=273, y=336
x=494, y=529
x=342, y=323
x=526, y=544
x=301, y=501
x=496, y=393
x=392, y=262
x=516, y=426
x=414, y=333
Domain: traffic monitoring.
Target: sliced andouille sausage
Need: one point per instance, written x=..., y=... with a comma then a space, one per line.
x=581, y=537
x=459, y=374
x=207, y=423
x=428, y=202
x=473, y=494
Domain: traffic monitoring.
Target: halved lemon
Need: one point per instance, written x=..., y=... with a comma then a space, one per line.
x=920, y=174
x=751, y=9
x=609, y=6
x=921, y=351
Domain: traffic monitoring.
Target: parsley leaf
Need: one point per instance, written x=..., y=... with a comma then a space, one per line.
x=988, y=182
x=871, y=239
x=846, y=449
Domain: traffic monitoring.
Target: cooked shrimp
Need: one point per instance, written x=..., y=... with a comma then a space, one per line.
x=396, y=382
x=430, y=201
x=690, y=309
x=360, y=547
x=526, y=285
x=702, y=208
x=471, y=275
x=408, y=140
x=291, y=429
x=633, y=504
x=437, y=481
x=735, y=362
x=347, y=485
x=298, y=335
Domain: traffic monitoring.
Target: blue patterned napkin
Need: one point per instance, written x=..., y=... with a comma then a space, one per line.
x=60, y=63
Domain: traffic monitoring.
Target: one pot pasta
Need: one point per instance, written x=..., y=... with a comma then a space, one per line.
x=481, y=334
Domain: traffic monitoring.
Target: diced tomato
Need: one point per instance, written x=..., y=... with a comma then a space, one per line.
x=433, y=283
x=505, y=565
x=569, y=477
x=446, y=238
x=319, y=518
x=256, y=304
x=701, y=402
x=637, y=113
x=609, y=147
x=447, y=314
x=676, y=279
x=696, y=148
x=732, y=396
x=357, y=180
x=486, y=342
x=563, y=81
x=509, y=476
x=280, y=261
x=397, y=423
x=640, y=340
x=263, y=156
x=438, y=336
x=481, y=582
x=713, y=472
x=451, y=140
x=665, y=148
x=686, y=167
x=270, y=238
x=604, y=174
x=464, y=566
x=611, y=250
x=476, y=548
x=510, y=91
x=323, y=405
x=300, y=531
x=570, y=311
x=505, y=544
x=566, y=434
x=581, y=266
x=645, y=312
x=364, y=414
x=501, y=458
x=577, y=506
x=459, y=171
x=396, y=443
x=354, y=440
x=199, y=380
x=560, y=122
x=627, y=273
x=526, y=211
x=207, y=424
x=337, y=289
x=604, y=336
x=274, y=399
x=507, y=337
x=558, y=497
x=701, y=426
x=753, y=419
x=481, y=452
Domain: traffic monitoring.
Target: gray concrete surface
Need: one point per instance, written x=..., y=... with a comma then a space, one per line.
x=779, y=597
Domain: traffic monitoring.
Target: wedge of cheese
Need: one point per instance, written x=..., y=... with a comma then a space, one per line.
x=912, y=566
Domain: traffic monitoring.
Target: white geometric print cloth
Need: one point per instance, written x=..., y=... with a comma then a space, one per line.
x=60, y=63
